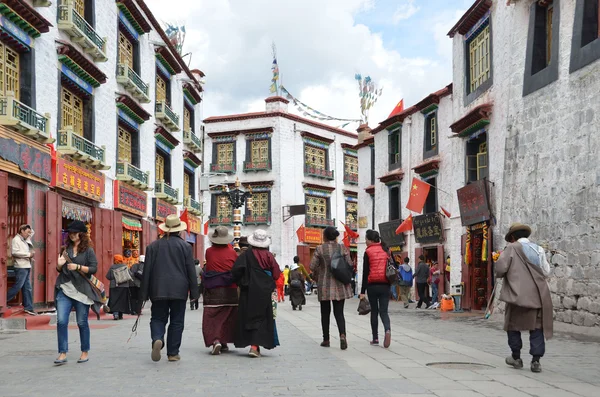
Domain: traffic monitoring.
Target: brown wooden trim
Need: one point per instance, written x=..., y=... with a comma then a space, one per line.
x=160, y=130
x=477, y=114
x=29, y=14
x=306, y=185
x=81, y=60
x=396, y=175
x=306, y=134
x=137, y=15
x=471, y=17
x=429, y=165
x=134, y=106
x=276, y=99
x=237, y=132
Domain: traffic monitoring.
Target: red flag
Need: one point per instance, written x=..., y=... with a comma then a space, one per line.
x=206, y=228
x=398, y=109
x=346, y=240
x=445, y=211
x=184, y=218
x=418, y=195
x=300, y=233
x=405, y=226
x=349, y=231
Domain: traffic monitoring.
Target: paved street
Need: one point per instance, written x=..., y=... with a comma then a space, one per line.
x=300, y=367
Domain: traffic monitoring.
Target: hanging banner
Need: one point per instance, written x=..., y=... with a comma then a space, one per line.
x=428, y=228
x=194, y=223
x=161, y=209
x=130, y=199
x=473, y=203
x=313, y=235
x=80, y=179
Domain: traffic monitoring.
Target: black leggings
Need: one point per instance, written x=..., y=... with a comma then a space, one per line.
x=338, y=312
x=379, y=298
x=422, y=289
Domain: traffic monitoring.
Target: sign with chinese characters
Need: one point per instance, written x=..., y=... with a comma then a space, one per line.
x=387, y=231
x=313, y=235
x=428, y=228
x=473, y=203
x=29, y=159
x=194, y=224
x=162, y=209
x=130, y=199
x=79, y=179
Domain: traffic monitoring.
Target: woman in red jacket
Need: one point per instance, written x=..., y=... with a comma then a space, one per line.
x=377, y=285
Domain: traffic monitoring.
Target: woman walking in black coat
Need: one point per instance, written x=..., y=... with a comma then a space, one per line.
x=120, y=298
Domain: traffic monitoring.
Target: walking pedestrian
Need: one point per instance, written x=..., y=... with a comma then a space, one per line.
x=137, y=271
x=523, y=267
x=376, y=284
x=194, y=304
x=168, y=276
x=120, y=298
x=22, y=254
x=73, y=289
x=280, y=284
x=220, y=295
x=422, y=275
x=405, y=281
x=434, y=275
x=297, y=287
x=286, y=285
x=330, y=291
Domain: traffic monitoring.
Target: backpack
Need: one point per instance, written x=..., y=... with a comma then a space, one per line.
x=122, y=275
x=340, y=268
x=406, y=278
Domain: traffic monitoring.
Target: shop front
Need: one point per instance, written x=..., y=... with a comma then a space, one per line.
x=311, y=238
x=476, y=245
x=429, y=235
x=133, y=206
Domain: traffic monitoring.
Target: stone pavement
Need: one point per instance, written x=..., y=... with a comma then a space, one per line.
x=299, y=367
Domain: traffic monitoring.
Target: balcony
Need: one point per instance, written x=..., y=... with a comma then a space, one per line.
x=194, y=207
x=81, y=149
x=258, y=219
x=224, y=168
x=166, y=192
x=216, y=221
x=132, y=83
x=250, y=166
x=312, y=221
x=163, y=113
x=351, y=179
x=133, y=176
x=318, y=172
x=24, y=119
x=192, y=140
x=80, y=31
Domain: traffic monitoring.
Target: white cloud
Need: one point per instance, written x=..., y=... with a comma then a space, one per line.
x=320, y=48
x=404, y=11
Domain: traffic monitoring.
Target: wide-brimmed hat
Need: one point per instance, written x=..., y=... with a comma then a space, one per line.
x=172, y=224
x=243, y=242
x=259, y=239
x=77, y=227
x=221, y=235
x=515, y=227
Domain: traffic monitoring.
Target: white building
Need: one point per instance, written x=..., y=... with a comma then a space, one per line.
x=286, y=160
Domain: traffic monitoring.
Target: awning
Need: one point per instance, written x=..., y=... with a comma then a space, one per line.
x=131, y=224
x=76, y=212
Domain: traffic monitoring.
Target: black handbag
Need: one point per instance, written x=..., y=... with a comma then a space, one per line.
x=340, y=268
x=391, y=272
x=364, y=307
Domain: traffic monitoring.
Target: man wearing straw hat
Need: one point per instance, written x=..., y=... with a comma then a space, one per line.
x=524, y=268
x=169, y=274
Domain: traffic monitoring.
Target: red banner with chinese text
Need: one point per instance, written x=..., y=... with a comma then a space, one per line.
x=80, y=179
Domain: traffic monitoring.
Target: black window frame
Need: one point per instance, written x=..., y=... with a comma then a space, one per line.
x=431, y=203
x=247, y=210
x=486, y=85
x=90, y=14
x=89, y=116
x=583, y=55
x=394, y=189
x=537, y=76
x=168, y=173
x=372, y=164
x=249, y=148
x=472, y=148
x=430, y=150
x=395, y=153
x=215, y=151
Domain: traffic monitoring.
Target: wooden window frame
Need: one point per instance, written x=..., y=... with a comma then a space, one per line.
x=395, y=149
x=311, y=214
x=72, y=108
x=255, y=199
x=219, y=159
x=167, y=166
x=126, y=50
x=192, y=185
x=220, y=212
x=122, y=143
x=312, y=163
x=430, y=142
x=477, y=160
x=347, y=166
x=348, y=213
x=264, y=152
x=10, y=71
x=480, y=59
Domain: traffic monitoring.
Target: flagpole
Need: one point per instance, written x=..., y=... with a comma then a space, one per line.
x=435, y=187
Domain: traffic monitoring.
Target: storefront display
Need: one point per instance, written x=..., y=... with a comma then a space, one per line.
x=131, y=240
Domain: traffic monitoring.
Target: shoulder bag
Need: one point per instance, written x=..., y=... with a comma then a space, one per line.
x=122, y=275
x=391, y=273
x=340, y=268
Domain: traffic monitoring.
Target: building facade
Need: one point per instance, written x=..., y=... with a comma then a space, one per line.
x=286, y=161
x=100, y=121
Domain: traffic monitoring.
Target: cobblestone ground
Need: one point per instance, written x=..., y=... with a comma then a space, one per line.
x=300, y=367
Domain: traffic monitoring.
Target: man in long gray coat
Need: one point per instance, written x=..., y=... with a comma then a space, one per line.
x=524, y=268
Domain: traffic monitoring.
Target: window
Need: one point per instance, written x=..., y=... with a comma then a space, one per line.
x=125, y=146
x=160, y=167
x=163, y=166
x=188, y=184
x=479, y=58
x=260, y=204
x=225, y=153
x=351, y=214
x=585, y=44
x=315, y=157
x=223, y=206
x=162, y=88
x=187, y=126
x=80, y=7
x=431, y=201
x=259, y=151
x=125, y=50
x=72, y=111
x=591, y=25
x=9, y=71
x=431, y=135
x=351, y=169
x=394, y=149
x=316, y=207
x=477, y=158
x=394, y=204
x=541, y=64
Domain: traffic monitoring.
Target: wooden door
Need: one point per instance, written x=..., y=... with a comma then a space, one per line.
x=105, y=258
x=117, y=226
x=145, y=239
x=441, y=268
x=153, y=234
x=304, y=255
x=465, y=276
x=38, y=222
x=3, y=240
x=53, y=240
x=418, y=252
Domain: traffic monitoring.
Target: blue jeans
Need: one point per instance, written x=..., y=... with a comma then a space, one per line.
x=394, y=292
x=23, y=282
x=173, y=312
x=64, y=304
x=434, y=289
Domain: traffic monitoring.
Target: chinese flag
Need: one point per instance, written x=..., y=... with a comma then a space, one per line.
x=349, y=232
x=206, y=228
x=184, y=218
x=446, y=212
x=300, y=233
x=405, y=226
x=398, y=109
x=418, y=195
x=346, y=239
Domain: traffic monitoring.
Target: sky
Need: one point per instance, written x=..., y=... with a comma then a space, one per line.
x=321, y=44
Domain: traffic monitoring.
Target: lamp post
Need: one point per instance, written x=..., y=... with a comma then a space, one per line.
x=237, y=198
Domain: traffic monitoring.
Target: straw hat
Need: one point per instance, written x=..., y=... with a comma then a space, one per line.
x=259, y=239
x=172, y=224
x=221, y=235
x=515, y=227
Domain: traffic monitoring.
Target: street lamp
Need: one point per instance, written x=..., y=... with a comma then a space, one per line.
x=237, y=198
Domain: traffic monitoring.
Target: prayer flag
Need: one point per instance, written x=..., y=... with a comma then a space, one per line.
x=418, y=195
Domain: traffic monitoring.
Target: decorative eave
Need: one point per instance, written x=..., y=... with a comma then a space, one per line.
x=476, y=119
x=328, y=189
x=392, y=177
x=306, y=134
x=276, y=99
x=350, y=193
x=237, y=132
x=75, y=60
x=370, y=189
x=198, y=72
x=348, y=146
x=134, y=16
x=165, y=137
x=397, y=119
x=132, y=108
x=428, y=167
x=470, y=18
x=257, y=185
x=370, y=140
x=167, y=59
x=191, y=93
x=25, y=16
x=191, y=159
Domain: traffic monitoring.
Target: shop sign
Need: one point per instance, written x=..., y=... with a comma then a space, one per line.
x=313, y=235
x=194, y=224
x=30, y=160
x=162, y=209
x=130, y=199
x=71, y=75
x=473, y=203
x=387, y=231
x=363, y=221
x=428, y=228
x=79, y=179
